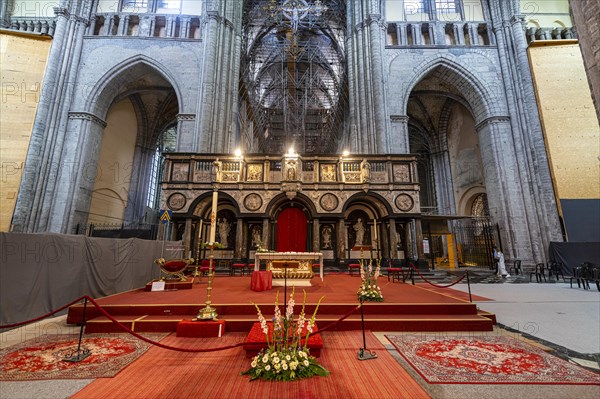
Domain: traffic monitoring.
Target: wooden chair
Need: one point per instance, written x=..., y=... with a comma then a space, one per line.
x=235, y=267
x=394, y=271
x=353, y=267
x=516, y=268
x=539, y=272
x=555, y=268
x=204, y=266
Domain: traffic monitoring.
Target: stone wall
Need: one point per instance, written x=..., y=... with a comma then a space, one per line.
x=586, y=16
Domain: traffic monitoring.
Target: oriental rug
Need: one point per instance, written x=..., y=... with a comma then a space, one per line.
x=42, y=358
x=486, y=360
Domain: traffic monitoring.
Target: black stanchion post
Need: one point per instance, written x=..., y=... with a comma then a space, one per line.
x=469, y=286
x=363, y=353
x=412, y=275
x=80, y=354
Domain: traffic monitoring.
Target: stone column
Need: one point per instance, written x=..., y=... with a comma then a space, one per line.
x=393, y=239
x=187, y=237
x=266, y=234
x=399, y=143
x=377, y=28
x=240, y=251
x=186, y=124
x=419, y=239
x=342, y=239
x=316, y=236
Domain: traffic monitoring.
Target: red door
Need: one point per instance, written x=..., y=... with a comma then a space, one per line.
x=291, y=231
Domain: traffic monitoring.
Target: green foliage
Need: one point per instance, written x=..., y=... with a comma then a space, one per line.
x=369, y=291
x=287, y=356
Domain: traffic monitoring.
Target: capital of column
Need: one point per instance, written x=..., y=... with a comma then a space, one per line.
x=398, y=118
x=186, y=117
x=88, y=117
x=492, y=120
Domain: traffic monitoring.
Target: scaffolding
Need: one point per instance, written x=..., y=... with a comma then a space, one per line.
x=293, y=89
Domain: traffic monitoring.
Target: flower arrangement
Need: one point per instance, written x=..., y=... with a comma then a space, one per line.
x=287, y=356
x=215, y=245
x=262, y=250
x=369, y=291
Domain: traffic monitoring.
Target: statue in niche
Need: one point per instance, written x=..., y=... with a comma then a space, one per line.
x=365, y=171
x=256, y=236
x=290, y=169
x=216, y=170
x=326, y=236
x=224, y=229
x=359, y=228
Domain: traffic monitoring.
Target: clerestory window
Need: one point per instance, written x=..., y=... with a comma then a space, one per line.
x=445, y=6
x=170, y=4
x=135, y=4
x=415, y=6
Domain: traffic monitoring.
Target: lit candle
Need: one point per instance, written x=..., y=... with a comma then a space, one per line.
x=213, y=217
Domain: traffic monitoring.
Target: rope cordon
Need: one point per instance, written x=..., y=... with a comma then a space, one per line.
x=169, y=347
x=436, y=285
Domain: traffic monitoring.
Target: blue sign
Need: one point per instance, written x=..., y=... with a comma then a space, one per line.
x=165, y=216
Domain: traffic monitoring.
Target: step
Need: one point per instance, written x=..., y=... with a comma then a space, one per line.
x=243, y=323
x=465, y=308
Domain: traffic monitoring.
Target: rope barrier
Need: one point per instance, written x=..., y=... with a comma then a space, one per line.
x=437, y=285
x=169, y=347
x=44, y=316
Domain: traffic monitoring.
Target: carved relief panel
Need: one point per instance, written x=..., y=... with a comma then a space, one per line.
x=401, y=173
x=180, y=171
x=255, y=172
x=328, y=173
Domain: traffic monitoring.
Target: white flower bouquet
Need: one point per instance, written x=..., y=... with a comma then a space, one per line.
x=369, y=290
x=287, y=356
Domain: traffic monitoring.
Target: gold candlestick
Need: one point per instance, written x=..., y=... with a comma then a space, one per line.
x=208, y=312
x=196, y=270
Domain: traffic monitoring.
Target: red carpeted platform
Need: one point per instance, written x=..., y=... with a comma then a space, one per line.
x=406, y=307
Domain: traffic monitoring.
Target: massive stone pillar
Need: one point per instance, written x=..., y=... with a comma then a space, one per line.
x=529, y=170
x=586, y=17
x=36, y=199
x=220, y=77
x=399, y=143
x=368, y=127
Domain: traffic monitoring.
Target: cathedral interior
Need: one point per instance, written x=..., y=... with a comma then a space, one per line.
x=415, y=128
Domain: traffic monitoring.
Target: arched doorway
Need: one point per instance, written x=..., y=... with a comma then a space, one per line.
x=291, y=231
x=141, y=124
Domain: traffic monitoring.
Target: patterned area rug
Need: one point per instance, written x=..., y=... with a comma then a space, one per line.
x=42, y=358
x=486, y=360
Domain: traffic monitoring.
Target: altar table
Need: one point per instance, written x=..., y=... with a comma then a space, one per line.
x=289, y=257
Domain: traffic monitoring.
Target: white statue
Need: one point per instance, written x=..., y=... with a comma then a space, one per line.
x=327, y=237
x=359, y=228
x=256, y=239
x=224, y=228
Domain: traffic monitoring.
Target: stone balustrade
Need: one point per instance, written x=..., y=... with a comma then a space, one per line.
x=35, y=25
x=436, y=33
x=558, y=33
x=145, y=25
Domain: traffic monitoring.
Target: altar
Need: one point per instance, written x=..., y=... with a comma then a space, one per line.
x=295, y=267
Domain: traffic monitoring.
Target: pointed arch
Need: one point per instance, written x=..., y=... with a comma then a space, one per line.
x=448, y=70
x=117, y=80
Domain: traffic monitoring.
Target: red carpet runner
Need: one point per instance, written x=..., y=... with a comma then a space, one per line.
x=165, y=374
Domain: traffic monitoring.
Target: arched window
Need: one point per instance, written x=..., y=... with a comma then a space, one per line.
x=166, y=143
